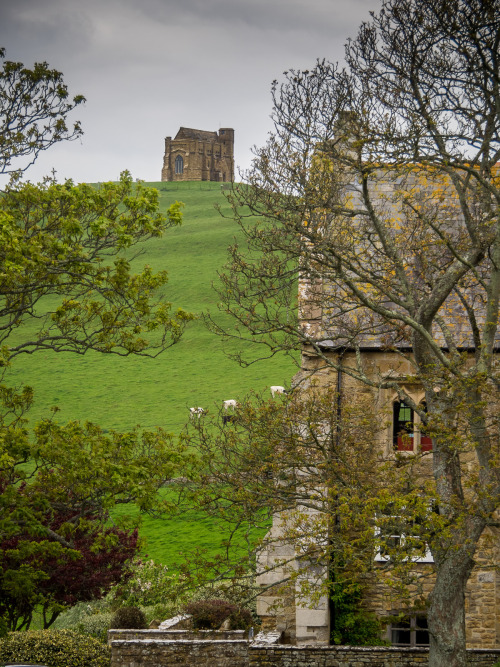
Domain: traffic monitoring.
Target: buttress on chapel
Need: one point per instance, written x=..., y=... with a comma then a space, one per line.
x=199, y=155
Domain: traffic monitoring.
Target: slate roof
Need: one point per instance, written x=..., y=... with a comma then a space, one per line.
x=199, y=135
x=338, y=322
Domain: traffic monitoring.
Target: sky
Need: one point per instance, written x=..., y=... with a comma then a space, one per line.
x=148, y=67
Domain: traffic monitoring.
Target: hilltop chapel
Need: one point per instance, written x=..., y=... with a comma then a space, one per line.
x=199, y=155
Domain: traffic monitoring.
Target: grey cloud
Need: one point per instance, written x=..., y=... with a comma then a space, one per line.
x=328, y=16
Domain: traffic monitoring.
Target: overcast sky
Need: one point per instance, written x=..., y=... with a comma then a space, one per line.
x=148, y=67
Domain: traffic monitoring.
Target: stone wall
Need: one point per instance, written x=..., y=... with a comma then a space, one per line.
x=182, y=653
x=240, y=653
x=176, y=634
x=350, y=656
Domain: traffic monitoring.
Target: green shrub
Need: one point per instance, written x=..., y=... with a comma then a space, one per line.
x=88, y=618
x=70, y=618
x=352, y=625
x=162, y=595
x=57, y=648
x=240, y=593
x=96, y=625
x=149, y=584
x=128, y=617
x=241, y=619
x=211, y=614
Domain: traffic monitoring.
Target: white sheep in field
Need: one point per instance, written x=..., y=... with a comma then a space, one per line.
x=231, y=403
x=196, y=412
x=277, y=389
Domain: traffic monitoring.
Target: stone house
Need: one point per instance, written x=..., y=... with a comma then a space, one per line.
x=199, y=155
x=381, y=357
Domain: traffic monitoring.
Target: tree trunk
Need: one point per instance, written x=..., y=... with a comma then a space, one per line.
x=446, y=616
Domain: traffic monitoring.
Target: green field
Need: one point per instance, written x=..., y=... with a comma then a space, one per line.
x=119, y=393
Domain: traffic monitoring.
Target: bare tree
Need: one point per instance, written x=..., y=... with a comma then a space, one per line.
x=378, y=192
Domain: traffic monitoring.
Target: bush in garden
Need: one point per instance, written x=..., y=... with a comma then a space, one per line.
x=57, y=648
x=211, y=614
x=241, y=619
x=90, y=618
x=132, y=618
x=70, y=618
x=96, y=625
x=149, y=584
x=239, y=592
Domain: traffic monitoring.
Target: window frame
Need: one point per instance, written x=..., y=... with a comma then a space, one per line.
x=380, y=557
x=413, y=628
x=403, y=430
x=179, y=160
x=417, y=442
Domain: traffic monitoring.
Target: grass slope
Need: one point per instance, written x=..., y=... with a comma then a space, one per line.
x=119, y=393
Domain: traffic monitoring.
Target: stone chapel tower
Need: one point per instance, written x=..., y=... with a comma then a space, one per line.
x=198, y=155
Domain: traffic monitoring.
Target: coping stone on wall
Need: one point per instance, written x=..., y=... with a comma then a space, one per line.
x=175, y=620
x=267, y=638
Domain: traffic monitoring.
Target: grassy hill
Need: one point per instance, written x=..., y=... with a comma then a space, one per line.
x=119, y=393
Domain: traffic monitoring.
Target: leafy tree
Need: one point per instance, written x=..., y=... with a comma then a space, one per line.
x=66, y=284
x=317, y=469
x=56, y=493
x=34, y=105
x=65, y=271
x=38, y=573
x=379, y=191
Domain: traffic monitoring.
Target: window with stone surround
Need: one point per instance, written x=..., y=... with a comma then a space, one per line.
x=179, y=165
x=407, y=435
x=402, y=427
x=397, y=534
x=409, y=631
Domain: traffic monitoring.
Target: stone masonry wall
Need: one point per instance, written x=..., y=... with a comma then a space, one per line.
x=350, y=656
x=175, y=634
x=239, y=653
x=181, y=653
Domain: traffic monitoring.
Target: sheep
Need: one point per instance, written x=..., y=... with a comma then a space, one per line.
x=196, y=412
x=276, y=389
x=231, y=403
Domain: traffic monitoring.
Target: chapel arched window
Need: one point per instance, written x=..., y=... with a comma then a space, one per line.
x=179, y=165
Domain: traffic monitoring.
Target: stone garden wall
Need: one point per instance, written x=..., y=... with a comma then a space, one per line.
x=353, y=656
x=181, y=653
x=153, y=648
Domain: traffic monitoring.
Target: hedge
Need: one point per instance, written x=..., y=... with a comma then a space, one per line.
x=55, y=648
